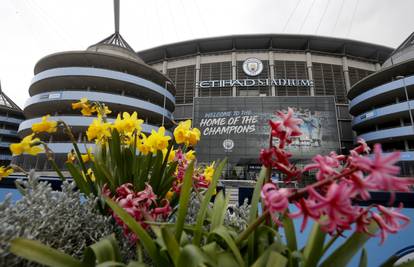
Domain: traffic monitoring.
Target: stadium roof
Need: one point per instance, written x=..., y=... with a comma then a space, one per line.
x=330, y=45
x=6, y=102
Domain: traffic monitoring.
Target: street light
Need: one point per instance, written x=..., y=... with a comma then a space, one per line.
x=406, y=97
x=165, y=92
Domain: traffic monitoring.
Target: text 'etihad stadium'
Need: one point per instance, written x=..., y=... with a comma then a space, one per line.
x=255, y=82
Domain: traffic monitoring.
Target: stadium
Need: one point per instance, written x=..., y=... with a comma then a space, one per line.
x=230, y=86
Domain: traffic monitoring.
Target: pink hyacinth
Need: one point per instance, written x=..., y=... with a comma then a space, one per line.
x=275, y=200
x=125, y=190
x=390, y=220
x=304, y=210
x=146, y=197
x=363, y=220
x=336, y=205
x=359, y=185
x=286, y=128
x=278, y=158
x=362, y=148
x=326, y=166
x=142, y=206
x=382, y=171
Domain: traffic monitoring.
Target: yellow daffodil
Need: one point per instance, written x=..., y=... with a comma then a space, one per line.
x=158, y=140
x=86, y=108
x=88, y=156
x=193, y=136
x=27, y=145
x=128, y=123
x=5, y=171
x=99, y=130
x=90, y=174
x=171, y=156
x=79, y=105
x=169, y=195
x=71, y=156
x=143, y=146
x=180, y=132
x=44, y=125
x=184, y=134
x=208, y=172
x=190, y=155
x=106, y=110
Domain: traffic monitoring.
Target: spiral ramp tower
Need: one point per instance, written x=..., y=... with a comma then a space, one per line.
x=382, y=106
x=109, y=72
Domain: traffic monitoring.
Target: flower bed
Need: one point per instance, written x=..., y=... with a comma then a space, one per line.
x=154, y=189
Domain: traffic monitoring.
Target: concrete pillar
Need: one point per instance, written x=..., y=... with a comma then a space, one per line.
x=197, y=75
x=272, y=72
x=310, y=74
x=346, y=73
x=234, y=71
x=164, y=67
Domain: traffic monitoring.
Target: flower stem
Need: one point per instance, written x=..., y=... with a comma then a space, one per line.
x=330, y=242
x=294, y=196
x=50, y=157
x=252, y=227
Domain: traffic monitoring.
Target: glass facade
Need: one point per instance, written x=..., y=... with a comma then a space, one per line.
x=215, y=71
x=184, y=80
x=291, y=70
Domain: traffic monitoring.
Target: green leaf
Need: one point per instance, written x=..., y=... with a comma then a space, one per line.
x=144, y=237
x=314, y=246
x=161, y=172
x=363, y=261
x=206, y=201
x=219, y=210
x=110, y=264
x=343, y=254
x=226, y=259
x=290, y=233
x=168, y=178
x=406, y=264
x=116, y=156
x=144, y=172
x=42, y=254
x=390, y=261
x=270, y=259
x=136, y=264
x=222, y=233
x=193, y=256
x=107, y=176
x=253, y=211
x=276, y=259
x=184, y=199
x=103, y=251
x=79, y=179
x=171, y=243
x=156, y=176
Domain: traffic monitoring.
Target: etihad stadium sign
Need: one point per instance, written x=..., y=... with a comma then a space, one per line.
x=255, y=82
x=253, y=67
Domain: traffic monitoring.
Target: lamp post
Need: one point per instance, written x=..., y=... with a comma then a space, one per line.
x=166, y=85
x=406, y=97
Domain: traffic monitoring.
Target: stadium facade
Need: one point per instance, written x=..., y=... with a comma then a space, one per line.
x=10, y=117
x=382, y=103
x=109, y=72
x=232, y=85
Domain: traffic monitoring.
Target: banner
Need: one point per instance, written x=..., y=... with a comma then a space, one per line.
x=237, y=127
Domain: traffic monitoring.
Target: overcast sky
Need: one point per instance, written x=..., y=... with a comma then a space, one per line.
x=32, y=29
